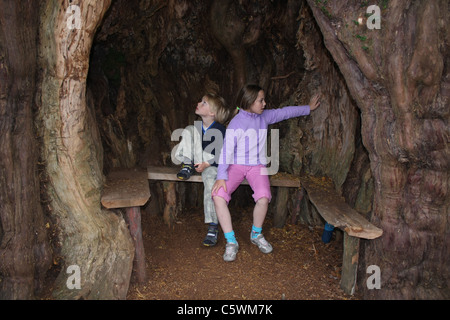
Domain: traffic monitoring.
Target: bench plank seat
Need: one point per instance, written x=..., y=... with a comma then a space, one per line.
x=125, y=188
x=170, y=174
x=335, y=210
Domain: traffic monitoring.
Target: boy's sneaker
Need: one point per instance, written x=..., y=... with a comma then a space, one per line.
x=187, y=170
x=211, y=236
x=231, y=249
x=263, y=245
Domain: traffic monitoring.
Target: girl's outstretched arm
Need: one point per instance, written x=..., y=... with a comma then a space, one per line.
x=276, y=115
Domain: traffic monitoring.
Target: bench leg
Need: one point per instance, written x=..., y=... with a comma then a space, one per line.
x=349, y=264
x=300, y=193
x=134, y=222
x=279, y=218
x=170, y=205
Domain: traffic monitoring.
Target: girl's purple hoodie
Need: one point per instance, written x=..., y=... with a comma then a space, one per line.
x=246, y=135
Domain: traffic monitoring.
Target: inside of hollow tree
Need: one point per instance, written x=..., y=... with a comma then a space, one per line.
x=89, y=86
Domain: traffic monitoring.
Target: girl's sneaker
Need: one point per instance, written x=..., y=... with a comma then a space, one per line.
x=231, y=250
x=263, y=245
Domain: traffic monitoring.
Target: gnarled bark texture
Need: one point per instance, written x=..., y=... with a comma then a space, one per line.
x=399, y=76
x=24, y=248
x=95, y=240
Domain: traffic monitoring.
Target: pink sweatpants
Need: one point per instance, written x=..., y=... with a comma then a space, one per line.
x=259, y=183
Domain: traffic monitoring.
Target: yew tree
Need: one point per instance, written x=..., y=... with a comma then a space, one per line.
x=51, y=153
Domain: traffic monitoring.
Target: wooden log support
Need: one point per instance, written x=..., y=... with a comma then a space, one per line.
x=134, y=224
x=299, y=197
x=280, y=215
x=129, y=189
x=170, y=203
x=349, y=263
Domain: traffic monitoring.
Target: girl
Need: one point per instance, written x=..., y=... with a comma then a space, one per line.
x=241, y=158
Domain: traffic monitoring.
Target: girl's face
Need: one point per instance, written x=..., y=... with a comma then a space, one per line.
x=203, y=108
x=259, y=104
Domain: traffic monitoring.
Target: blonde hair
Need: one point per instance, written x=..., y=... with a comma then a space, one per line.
x=218, y=107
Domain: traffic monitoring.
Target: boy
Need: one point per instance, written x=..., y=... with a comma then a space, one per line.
x=197, y=152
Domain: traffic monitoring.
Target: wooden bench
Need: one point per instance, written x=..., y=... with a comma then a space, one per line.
x=129, y=189
x=323, y=196
x=336, y=211
x=169, y=174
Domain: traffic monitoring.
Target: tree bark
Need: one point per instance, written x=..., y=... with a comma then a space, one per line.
x=399, y=77
x=229, y=31
x=95, y=240
x=236, y=34
x=24, y=249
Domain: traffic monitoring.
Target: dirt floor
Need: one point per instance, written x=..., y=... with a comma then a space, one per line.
x=179, y=267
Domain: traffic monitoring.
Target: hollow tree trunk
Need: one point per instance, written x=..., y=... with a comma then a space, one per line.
x=95, y=240
x=399, y=78
x=24, y=249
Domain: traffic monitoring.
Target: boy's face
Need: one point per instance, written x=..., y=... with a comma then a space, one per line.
x=203, y=108
x=259, y=104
